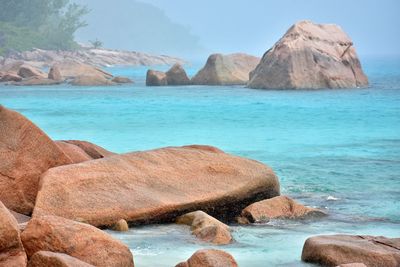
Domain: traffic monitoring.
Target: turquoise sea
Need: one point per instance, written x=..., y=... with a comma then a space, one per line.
x=334, y=149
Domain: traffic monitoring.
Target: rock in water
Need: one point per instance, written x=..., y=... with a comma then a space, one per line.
x=310, y=56
x=230, y=69
x=120, y=79
x=206, y=228
x=156, y=78
x=176, y=75
x=91, y=81
x=53, y=259
x=155, y=186
x=281, y=207
x=12, y=253
x=79, y=240
x=121, y=226
x=71, y=69
x=10, y=77
x=28, y=72
x=25, y=152
x=209, y=258
x=333, y=250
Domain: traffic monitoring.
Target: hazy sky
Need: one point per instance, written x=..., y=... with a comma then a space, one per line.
x=253, y=26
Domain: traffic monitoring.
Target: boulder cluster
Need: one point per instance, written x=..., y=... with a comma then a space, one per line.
x=66, y=71
x=308, y=56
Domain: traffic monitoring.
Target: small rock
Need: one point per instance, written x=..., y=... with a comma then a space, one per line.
x=10, y=77
x=209, y=258
x=206, y=228
x=357, y=264
x=156, y=78
x=120, y=79
x=53, y=259
x=280, y=207
x=55, y=73
x=121, y=226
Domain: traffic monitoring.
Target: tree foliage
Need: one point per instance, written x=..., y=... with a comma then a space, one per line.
x=46, y=24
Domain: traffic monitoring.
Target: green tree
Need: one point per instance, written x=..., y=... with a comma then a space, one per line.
x=46, y=24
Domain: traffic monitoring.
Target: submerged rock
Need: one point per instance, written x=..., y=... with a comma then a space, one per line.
x=230, y=69
x=154, y=186
x=36, y=80
x=12, y=253
x=209, y=258
x=206, y=228
x=79, y=240
x=53, y=259
x=333, y=250
x=156, y=78
x=120, y=79
x=310, y=56
x=91, y=81
x=176, y=75
x=26, y=152
x=280, y=207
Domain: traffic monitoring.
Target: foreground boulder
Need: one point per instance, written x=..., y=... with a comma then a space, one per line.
x=52, y=259
x=176, y=75
x=12, y=253
x=206, y=228
x=280, y=207
x=25, y=152
x=209, y=258
x=310, y=56
x=333, y=250
x=230, y=69
x=156, y=78
x=79, y=240
x=155, y=186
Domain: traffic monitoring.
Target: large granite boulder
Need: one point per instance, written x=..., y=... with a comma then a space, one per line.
x=209, y=258
x=156, y=78
x=280, y=207
x=53, y=259
x=25, y=152
x=155, y=186
x=79, y=240
x=206, y=228
x=12, y=252
x=87, y=80
x=176, y=75
x=93, y=150
x=333, y=250
x=71, y=69
x=230, y=69
x=310, y=56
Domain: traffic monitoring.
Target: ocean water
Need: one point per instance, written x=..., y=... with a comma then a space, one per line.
x=338, y=150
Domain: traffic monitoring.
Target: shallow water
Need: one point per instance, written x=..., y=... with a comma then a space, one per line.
x=334, y=149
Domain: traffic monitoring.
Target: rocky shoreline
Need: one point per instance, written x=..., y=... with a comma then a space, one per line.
x=99, y=57
x=72, y=188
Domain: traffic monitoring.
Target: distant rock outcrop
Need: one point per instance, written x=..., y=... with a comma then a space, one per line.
x=96, y=57
x=230, y=69
x=176, y=75
x=310, y=56
x=156, y=78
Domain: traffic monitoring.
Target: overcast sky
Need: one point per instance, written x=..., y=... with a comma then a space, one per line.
x=253, y=26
